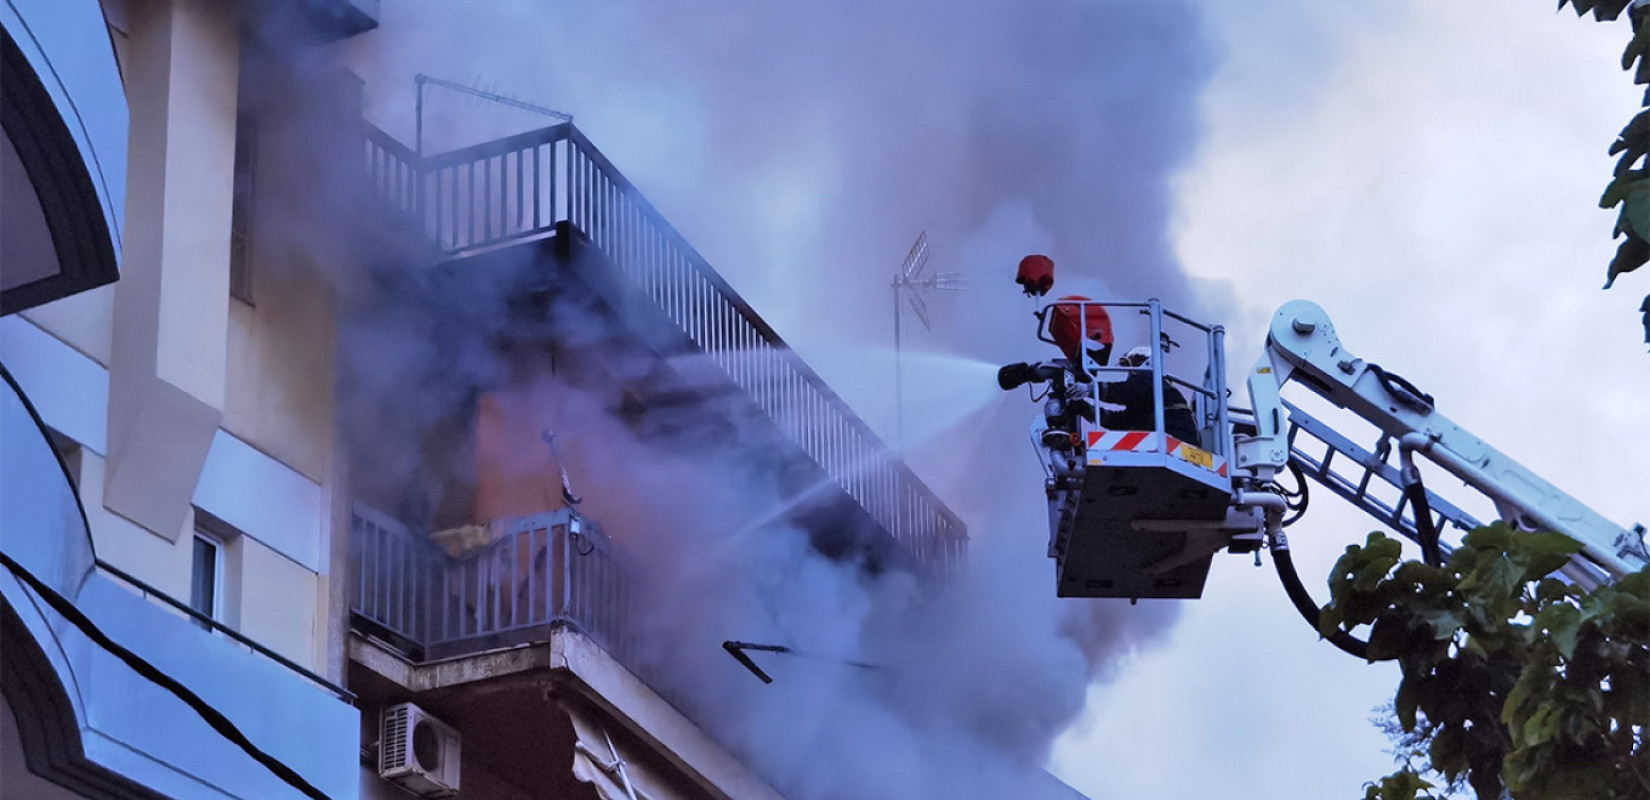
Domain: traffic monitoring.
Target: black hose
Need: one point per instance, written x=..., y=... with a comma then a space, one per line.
x=1303, y=601
x=1397, y=386
x=1295, y=502
x=1424, y=529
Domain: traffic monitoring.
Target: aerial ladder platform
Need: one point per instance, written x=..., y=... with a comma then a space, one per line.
x=1139, y=513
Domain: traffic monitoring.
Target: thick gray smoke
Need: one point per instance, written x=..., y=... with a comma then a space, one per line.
x=801, y=148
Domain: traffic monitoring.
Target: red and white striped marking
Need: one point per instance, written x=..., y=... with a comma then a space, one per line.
x=1146, y=442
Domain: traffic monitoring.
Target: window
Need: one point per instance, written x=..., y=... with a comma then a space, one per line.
x=206, y=575
x=215, y=569
x=240, y=214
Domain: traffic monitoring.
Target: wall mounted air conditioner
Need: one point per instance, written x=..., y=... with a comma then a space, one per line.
x=418, y=752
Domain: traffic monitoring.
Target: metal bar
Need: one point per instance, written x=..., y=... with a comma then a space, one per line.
x=1222, y=411
x=494, y=147
x=1160, y=444
x=178, y=605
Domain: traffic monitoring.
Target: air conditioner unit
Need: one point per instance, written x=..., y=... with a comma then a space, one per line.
x=418, y=752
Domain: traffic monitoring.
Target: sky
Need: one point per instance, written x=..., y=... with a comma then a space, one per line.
x=1427, y=172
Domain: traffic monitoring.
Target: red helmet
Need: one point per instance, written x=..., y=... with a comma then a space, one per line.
x=1068, y=331
x=1036, y=275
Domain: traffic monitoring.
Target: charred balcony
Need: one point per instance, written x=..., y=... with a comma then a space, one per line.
x=548, y=199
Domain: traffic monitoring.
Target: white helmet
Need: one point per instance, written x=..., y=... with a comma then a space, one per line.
x=1138, y=357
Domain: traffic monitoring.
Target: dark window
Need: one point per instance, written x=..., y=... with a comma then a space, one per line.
x=203, y=582
x=240, y=218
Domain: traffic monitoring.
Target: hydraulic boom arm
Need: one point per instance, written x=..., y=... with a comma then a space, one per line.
x=1302, y=346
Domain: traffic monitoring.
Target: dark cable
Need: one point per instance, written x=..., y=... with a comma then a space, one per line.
x=212, y=716
x=1425, y=531
x=1303, y=601
x=1295, y=501
x=1400, y=388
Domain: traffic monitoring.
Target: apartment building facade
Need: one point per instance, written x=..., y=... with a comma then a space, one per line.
x=217, y=584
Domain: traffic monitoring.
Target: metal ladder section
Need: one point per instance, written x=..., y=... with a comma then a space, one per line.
x=1368, y=467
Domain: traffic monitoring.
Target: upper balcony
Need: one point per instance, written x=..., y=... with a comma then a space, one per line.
x=552, y=186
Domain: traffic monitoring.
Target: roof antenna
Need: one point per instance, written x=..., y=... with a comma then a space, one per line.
x=910, y=283
x=421, y=79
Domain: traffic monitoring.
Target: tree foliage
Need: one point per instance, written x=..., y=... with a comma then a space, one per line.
x=1514, y=680
x=1630, y=186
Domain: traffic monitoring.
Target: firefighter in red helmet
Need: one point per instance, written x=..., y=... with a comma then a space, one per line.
x=1072, y=322
x=1076, y=324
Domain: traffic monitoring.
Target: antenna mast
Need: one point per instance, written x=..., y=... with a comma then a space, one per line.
x=909, y=281
x=421, y=79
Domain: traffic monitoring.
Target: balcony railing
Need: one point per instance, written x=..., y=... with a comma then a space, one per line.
x=541, y=571
x=524, y=186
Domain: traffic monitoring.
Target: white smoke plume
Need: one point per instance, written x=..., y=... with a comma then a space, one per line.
x=801, y=147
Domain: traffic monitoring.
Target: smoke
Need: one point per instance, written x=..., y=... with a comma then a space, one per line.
x=800, y=148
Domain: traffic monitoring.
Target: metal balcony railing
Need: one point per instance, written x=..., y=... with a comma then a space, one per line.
x=524, y=186
x=542, y=570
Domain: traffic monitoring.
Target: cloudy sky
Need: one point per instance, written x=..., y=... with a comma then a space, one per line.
x=1427, y=172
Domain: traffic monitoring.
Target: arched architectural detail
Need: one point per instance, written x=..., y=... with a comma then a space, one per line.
x=80, y=236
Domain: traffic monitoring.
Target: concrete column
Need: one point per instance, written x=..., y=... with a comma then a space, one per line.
x=167, y=370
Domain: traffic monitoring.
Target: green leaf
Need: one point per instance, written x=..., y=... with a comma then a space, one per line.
x=1551, y=589
x=1527, y=686
x=1495, y=576
x=1329, y=620
x=1496, y=537
x=1543, y=564
x=1388, y=639
x=1381, y=546
x=1548, y=542
x=1408, y=699
x=1636, y=48
x=1541, y=727
x=1631, y=255
x=1370, y=575
x=1636, y=209
x=1618, y=189
x=1636, y=584
x=1562, y=622
x=1444, y=621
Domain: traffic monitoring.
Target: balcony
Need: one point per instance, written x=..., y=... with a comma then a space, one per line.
x=552, y=184
x=541, y=571
x=111, y=684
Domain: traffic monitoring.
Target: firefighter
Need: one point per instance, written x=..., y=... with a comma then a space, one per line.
x=1134, y=394
x=1073, y=322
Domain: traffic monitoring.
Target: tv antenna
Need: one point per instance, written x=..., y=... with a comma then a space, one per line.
x=421, y=79
x=911, y=283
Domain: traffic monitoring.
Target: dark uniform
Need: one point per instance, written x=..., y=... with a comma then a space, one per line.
x=1134, y=394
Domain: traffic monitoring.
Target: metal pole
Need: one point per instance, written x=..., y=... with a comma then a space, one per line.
x=899, y=380
x=1222, y=431
x=418, y=117
x=1159, y=353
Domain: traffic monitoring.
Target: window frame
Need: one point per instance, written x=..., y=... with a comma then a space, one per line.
x=241, y=210
x=218, y=545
